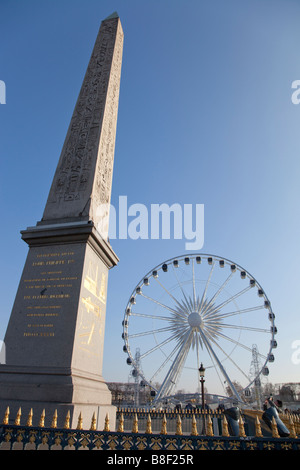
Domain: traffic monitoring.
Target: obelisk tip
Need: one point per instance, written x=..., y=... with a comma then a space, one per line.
x=113, y=15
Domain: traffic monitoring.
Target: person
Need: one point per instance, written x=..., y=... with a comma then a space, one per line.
x=270, y=402
x=189, y=406
x=271, y=411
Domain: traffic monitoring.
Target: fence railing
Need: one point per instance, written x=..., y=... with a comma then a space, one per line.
x=147, y=430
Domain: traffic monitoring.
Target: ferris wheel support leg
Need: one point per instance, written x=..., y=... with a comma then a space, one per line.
x=232, y=387
x=175, y=370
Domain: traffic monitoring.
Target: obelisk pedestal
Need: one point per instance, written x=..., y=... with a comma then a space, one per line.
x=55, y=336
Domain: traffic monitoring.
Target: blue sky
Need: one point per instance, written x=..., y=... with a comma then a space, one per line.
x=205, y=117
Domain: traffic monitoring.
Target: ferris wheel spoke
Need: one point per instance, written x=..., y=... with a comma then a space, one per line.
x=162, y=305
x=212, y=329
x=237, y=312
x=194, y=285
x=237, y=343
x=169, y=293
x=185, y=304
x=217, y=293
x=197, y=352
x=163, y=343
x=180, y=285
x=231, y=360
x=151, y=332
x=244, y=328
x=206, y=286
x=154, y=317
x=233, y=297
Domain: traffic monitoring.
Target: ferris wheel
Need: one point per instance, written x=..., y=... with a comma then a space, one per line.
x=198, y=309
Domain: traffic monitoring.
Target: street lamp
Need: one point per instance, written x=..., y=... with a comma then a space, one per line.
x=202, y=373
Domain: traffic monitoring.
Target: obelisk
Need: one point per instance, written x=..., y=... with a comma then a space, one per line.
x=55, y=335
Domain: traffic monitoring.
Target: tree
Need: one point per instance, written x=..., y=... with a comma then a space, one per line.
x=237, y=386
x=286, y=393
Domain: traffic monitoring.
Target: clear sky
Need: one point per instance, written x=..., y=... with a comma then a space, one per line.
x=205, y=117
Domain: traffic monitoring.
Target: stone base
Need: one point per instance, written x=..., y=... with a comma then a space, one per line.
x=52, y=384
x=55, y=389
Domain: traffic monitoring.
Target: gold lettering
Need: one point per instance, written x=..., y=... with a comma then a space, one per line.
x=42, y=314
x=45, y=306
x=48, y=263
x=38, y=334
x=59, y=296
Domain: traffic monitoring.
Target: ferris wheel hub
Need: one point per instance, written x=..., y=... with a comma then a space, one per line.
x=195, y=320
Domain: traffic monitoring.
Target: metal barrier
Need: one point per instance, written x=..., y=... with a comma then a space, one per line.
x=168, y=434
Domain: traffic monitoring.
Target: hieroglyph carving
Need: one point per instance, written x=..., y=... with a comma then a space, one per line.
x=83, y=177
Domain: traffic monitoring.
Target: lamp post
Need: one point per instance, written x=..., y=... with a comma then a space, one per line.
x=202, y=373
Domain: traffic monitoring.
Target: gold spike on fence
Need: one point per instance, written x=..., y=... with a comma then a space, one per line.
x=54, y=420
x=178, y=427
x=79, y=423
x=164, y=426
x=225, y=431
x=42, y=419
x=194, y=431
x=241, y=428
x=67, y=421
x=296, y=420
x=209, y=427
x=6, y=416
x=93, y=423
x=135, y=427
x=292, y=430
x=29, y=419
x=18, y=418
x=258, y=432
x=148, y=426
x=274, y=428
x=121, y=423
x=106, y=423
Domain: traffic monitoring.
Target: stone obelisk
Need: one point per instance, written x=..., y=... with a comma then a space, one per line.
x=55, y=335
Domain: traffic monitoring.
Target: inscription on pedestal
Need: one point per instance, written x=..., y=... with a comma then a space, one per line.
x=46, y=292
x=60, y=309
